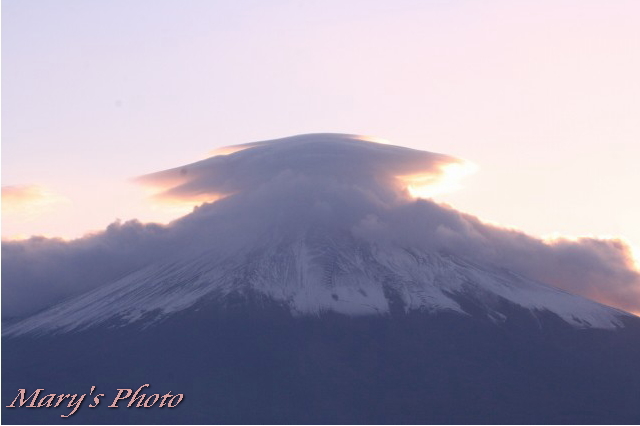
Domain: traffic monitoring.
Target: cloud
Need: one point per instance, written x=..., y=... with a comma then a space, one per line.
x=39, y=272
x=277, y=190
x=346, y=158
x=600, y=269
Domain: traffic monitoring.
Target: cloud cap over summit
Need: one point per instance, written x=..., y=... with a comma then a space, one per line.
x=349, y=159
x=343, y=183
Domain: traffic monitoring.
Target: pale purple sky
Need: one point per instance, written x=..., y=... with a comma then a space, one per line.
x=543, y=96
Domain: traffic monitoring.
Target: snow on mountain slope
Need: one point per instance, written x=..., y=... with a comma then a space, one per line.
x=311, y=277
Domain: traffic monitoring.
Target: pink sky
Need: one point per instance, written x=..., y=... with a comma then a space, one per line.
x=542, y=96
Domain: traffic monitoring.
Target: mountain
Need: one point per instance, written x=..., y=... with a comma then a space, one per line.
x=316, y=274
x=315, y=290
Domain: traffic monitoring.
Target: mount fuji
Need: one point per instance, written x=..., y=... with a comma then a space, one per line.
x=312, y=288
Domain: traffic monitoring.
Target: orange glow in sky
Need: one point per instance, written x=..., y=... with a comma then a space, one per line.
x=428, y=186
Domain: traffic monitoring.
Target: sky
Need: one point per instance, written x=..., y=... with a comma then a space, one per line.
x=542, y=96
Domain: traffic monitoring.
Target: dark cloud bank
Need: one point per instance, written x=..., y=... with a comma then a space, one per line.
x=277, y=189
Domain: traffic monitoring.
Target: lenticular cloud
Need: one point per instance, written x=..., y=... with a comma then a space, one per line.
x=273, y=190
x=346, y=159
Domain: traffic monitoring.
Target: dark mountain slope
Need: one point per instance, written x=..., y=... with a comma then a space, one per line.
x=263, y=366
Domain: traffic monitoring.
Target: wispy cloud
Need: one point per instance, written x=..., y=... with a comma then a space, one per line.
x=27, y=202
